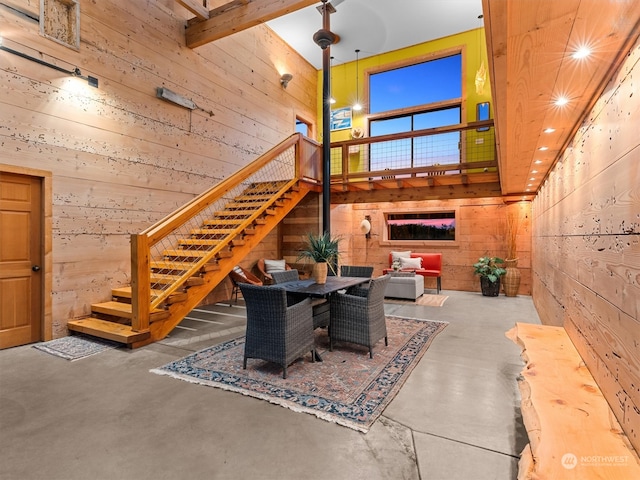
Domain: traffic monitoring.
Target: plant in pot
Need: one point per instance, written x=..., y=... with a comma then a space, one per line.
x=324, y=251
x=489, y=269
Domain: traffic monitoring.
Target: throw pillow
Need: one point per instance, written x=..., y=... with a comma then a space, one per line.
x=396, y=256
x=274, y=266
x=239, y=271
x=411, y=262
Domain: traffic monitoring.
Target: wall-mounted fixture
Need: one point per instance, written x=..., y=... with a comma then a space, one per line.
x=285, y=79
x=92, y=81
x=173, y=97
x=365, y=226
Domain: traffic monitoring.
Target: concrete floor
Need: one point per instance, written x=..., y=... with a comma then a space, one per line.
x=107, y=417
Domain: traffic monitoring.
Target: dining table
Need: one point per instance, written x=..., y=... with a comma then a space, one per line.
x=311, y=288
x=332, y=285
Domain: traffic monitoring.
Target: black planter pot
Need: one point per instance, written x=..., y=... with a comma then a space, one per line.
x=489, y=289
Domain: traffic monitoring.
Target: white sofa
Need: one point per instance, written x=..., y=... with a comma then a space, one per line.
x=405, y=285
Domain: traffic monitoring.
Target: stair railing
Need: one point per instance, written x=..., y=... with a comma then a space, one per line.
x=282, y=166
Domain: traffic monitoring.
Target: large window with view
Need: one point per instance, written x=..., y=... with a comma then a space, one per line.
x=415, y=97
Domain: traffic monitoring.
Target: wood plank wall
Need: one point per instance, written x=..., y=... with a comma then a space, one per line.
x=481, y=230
x=121, y=158
x=586, y=245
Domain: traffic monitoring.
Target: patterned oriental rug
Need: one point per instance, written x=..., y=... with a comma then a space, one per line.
x=347, y=387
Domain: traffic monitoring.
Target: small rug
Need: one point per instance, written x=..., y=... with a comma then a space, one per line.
x=347, y=387
x=425, y=300
x=75, y=347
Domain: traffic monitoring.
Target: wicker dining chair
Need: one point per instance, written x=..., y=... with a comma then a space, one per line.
x=356, y=271
x=276, y=332
x=321, y=314
x=358, y=316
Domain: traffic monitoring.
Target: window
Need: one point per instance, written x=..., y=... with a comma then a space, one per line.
x=422, y=226
x=416, y=97
x=303, y=127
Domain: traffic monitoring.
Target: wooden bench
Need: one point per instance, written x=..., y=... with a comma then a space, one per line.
x=573, y=433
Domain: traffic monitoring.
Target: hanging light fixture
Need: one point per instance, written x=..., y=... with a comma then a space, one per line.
x=481, y=74
x=356, y=106
x=331, y=99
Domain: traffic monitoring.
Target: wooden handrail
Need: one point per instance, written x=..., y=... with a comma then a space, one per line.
x=202, y=201
x=141, y=244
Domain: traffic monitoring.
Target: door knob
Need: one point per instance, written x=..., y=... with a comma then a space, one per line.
x=36, y=268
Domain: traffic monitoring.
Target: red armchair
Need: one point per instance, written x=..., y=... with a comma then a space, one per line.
x=431, y=266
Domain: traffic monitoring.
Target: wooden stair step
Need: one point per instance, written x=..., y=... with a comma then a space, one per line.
x=159, y=279
x=123, y=310
x=182, y=266
x=234, y=213
x=186, y=253
x=202, y=242
x=175, y=297
x=224, y=221
x=223, y=232
x=246, y=204
x=107, y=330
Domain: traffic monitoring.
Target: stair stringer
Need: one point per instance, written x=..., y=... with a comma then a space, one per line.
x=196, y=294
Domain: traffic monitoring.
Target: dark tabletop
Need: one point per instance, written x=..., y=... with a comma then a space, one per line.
x=311, y=288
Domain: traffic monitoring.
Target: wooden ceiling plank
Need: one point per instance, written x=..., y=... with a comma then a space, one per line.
x=198, y=7
x=239, y=15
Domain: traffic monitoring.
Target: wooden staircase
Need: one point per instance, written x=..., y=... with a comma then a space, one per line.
x=231, y=233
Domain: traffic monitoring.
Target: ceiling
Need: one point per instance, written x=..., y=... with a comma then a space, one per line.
x=530, y=45
x=374, y=28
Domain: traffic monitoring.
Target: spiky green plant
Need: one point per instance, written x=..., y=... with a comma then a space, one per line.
x=321, y=248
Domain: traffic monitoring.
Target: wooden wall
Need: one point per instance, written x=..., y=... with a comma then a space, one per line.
x=586, y=244
x=121, y=158
x=481, y=227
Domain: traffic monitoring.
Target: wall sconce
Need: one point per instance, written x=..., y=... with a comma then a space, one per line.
x=92, y=81
x=365, y=226
x=285, y=79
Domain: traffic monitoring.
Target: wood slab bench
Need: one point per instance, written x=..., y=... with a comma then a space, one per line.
x=573, y=433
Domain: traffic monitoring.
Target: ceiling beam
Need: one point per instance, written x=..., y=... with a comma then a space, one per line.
x=200, y=8
x=239, y=15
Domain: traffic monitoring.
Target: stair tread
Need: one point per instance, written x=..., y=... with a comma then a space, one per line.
x=123, y=310
x=108, y=330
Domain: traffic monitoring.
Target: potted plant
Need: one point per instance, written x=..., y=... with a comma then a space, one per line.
x=490, y=270
x=324, y=251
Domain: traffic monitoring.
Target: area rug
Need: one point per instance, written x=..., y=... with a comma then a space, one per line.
x=347, y=387
x=75, y=347
x=425, y=300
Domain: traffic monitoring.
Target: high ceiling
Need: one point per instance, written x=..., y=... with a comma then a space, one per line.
x=376, y=26
x=530, y=44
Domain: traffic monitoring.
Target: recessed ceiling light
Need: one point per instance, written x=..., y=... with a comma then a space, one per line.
x=529, y=184
x=542, y=149
x=582, y=52
x=561, y=101
x=549, y=130
x=538, y=162
x=534, y=171
x=532, y=179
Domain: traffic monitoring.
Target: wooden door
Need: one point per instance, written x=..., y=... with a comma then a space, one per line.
x=20, y=259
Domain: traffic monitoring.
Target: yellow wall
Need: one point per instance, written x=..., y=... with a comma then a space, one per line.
x=343, y=77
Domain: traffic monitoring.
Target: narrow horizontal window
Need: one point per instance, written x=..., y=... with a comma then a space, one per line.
x=422, y=226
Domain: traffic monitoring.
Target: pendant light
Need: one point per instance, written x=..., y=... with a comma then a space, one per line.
x=331, y=99
x=357, y=107
x=481, y=74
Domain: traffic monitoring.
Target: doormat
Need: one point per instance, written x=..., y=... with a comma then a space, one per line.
x=347, y=387
x=75, y=347
x=425, y=300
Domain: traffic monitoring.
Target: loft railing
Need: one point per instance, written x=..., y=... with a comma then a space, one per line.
x=293, y=159
x=455, y=149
